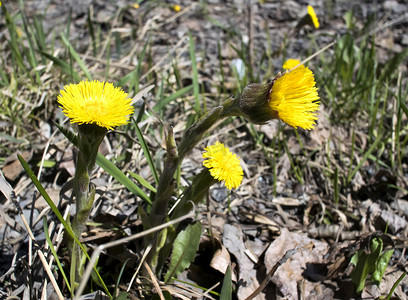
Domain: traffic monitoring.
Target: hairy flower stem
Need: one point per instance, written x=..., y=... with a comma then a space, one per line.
x=175, y=156
x=89, y=139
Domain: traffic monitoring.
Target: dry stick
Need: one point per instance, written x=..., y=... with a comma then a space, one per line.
x=46, y=246
x=100, y=248
x=154, y=280
x=50, y=275
x=207, y=292
x=147, y=250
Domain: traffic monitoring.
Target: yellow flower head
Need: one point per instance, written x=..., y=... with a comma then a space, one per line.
x=312, y=14
x=291, y=63
x=135, y=5
x=97, y=103
x=223, y=165
x=293, y=98
x=177, y=7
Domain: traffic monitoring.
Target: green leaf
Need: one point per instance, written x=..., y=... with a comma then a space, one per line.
x=114, y=171
x=184, y=250
x=66, y=68
x=360, y=272
x=47, y=163
x=382, y=264
x=146, y=151
x=376, y=246
x=366, y=263
x=226, y=290
x=143, y=182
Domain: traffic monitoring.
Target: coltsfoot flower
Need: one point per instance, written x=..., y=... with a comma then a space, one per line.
x=97, y=103
x=294, y=98
x=291, y=97
x=291, y=63
x=223, y=165
x=312, y=14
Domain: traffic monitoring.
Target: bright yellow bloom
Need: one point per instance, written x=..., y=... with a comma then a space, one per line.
x=312, y=14
x=293, y=98
x=291, y=63
x=223, y=165
x=97, y=103
x=135, y=5
x=177, y=8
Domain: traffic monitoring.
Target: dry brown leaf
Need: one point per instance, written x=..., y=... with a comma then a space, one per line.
x=233, y=240
x=12, y=170
x=298, y=267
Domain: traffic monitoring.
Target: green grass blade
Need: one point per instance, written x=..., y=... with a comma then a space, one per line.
x=13, y=42
x=125, y=79
x=66, y=68
x=91, y=31
x=146, y=152
x=136, y=78
x=76, y=56
x=120, y=276
x=54, y=253
x=226, y=290
x=196, y=86
x=45, y=195
x=159, y=106
x=143, y=182
x=114, y=171
x=366, y=155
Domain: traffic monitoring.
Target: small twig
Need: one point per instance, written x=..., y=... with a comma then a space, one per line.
x=142, y=260
x=50, y=275
x=154, y=281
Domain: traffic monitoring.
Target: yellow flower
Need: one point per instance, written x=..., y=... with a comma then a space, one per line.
x=223, y=165
x=293, y=97
x=177, y=7
x=97, y=103
x=135, y=5
x=291, y=63
x=312, y=14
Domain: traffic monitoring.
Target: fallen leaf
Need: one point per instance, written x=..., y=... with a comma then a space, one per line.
x=299, y=267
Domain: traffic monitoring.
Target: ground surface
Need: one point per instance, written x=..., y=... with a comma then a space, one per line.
x=290, y=197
